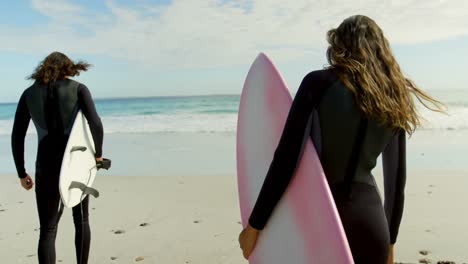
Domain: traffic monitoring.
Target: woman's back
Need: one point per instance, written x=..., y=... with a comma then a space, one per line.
x=348, y=143
x=340, y=139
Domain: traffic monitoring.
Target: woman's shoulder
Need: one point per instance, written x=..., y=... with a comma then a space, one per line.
x=324, y=77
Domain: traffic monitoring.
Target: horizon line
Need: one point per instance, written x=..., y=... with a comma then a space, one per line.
x=145, y=97
x=201, y=95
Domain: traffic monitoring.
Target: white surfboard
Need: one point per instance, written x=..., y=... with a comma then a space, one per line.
x=79, y=163
x=305, y=227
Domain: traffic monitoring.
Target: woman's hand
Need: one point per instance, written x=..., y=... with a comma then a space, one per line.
x=248, y=240
x=99, y=159
x=390, y=255
x=27, y=182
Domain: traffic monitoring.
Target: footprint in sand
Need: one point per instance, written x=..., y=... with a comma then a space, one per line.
x=144, y=224
x=197, y=221
x=118, y=232
x=424, y=252
x=138, y=259
x=113, y=258
x=2, y=210
x=425, y=261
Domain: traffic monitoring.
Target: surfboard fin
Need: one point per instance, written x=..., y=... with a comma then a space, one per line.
x=78, y=148
x=84, y=188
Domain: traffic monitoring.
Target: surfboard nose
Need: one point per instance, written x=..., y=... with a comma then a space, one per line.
x=262, y=57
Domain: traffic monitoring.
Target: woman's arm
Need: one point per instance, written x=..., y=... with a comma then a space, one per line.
x=287, y=154
x=394, y=166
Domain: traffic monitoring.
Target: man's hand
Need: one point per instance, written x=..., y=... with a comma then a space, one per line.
x=390, y=255
x=27, y=182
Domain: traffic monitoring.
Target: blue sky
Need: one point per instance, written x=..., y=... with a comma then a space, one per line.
x=186, y=47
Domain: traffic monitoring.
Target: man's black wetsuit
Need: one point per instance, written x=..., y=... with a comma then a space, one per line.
x=53, y=109
x=348, y=146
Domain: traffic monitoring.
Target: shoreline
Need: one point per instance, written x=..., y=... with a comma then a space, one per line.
x=214, y=154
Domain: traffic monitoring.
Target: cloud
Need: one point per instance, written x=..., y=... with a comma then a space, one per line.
x=55, y=8
x=213, y=33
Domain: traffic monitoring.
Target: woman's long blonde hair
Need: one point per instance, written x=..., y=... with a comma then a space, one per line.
x=361, y=55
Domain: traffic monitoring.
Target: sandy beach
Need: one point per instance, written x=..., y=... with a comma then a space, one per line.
x=196, y=220
x=188, y=220
x=180, y=203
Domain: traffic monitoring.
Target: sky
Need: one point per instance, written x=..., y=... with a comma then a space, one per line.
x=186, y=47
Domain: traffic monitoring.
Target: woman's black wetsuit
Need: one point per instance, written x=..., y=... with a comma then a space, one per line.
x=53, y=109
x=348, y=145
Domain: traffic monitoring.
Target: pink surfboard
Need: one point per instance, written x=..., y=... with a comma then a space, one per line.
x=305, y=227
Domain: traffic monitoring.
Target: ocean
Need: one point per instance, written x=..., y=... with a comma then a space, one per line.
x=214, y=114
x=200, y=114
x=195, y=135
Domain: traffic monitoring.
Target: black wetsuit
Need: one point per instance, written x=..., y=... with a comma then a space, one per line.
x=348, y=145
x=53, y=109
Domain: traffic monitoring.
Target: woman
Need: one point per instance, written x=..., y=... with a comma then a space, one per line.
x=52, y=102
x=364, y=93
